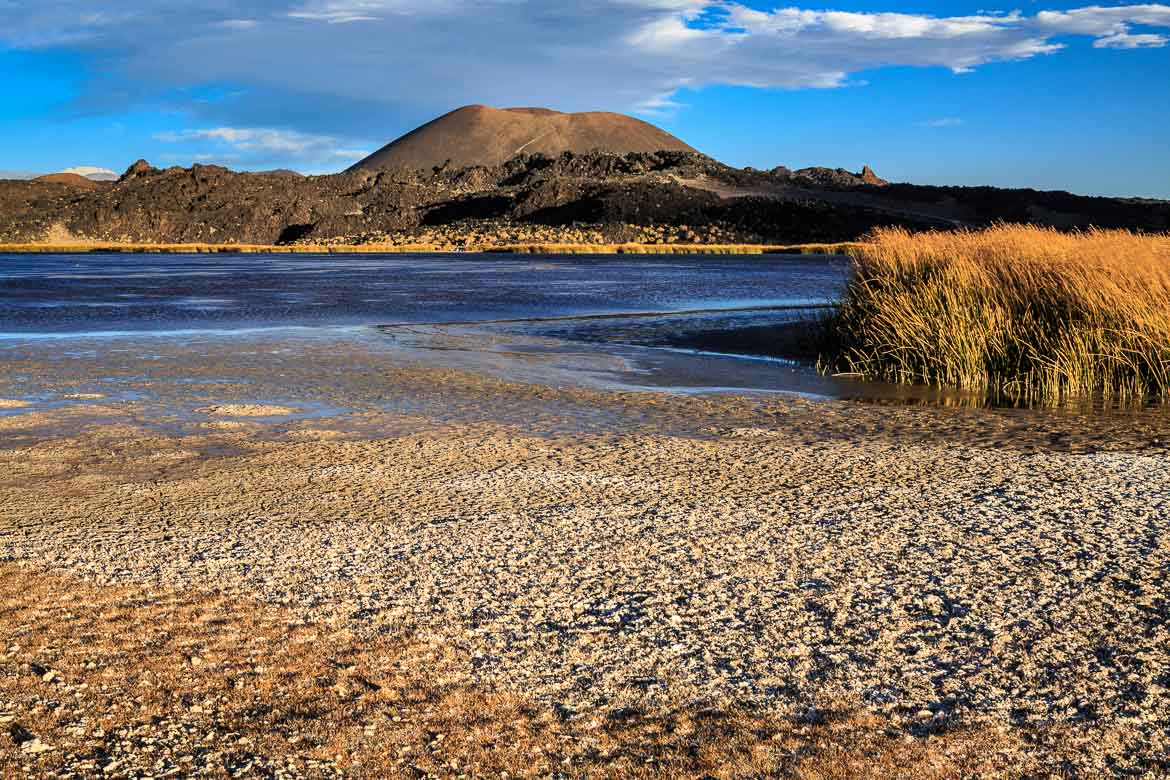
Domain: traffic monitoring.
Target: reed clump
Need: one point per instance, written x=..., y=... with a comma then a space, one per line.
x=1021, y=312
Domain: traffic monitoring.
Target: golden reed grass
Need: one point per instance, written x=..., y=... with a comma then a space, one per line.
x=1016, y=311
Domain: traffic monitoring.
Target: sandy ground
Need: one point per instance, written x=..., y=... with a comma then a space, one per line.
x=248, y=410
x=941, y=570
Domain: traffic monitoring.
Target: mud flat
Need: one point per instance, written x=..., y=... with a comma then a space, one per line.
x=426, y=572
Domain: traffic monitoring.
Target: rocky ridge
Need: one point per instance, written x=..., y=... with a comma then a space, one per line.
x=610, y=197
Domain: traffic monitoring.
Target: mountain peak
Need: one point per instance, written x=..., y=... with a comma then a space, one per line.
x=867, y=176
x=482, y=135
x=139, y=167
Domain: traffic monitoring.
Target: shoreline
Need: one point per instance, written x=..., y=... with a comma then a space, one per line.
x=373, y=530
x=534, y=248
x=590, y=554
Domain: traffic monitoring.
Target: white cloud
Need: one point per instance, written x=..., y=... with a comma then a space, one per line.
x=327, y=67
x=658, y=105
x=264, y=143
x=665, y=34
x=1102, y=21
x=1124, y=40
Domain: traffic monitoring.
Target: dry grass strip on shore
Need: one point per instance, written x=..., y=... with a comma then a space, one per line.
x=1018, y=311
x=677, y=249
x=124, y=681
x=551, y=249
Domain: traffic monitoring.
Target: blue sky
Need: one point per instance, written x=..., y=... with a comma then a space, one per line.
x=1046, y=95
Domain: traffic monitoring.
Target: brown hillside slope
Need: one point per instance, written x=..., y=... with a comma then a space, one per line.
x=481, y=135
x=71, y=180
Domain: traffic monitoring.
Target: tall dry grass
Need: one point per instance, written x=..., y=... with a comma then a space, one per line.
x=1017, y=311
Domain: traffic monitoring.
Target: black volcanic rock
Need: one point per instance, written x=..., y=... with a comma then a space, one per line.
x=286, y=172
x=867, y=176
x=835, y=178
x=211, y=204
x=140, y=167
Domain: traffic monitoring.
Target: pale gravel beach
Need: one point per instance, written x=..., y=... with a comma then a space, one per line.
x=937, y=567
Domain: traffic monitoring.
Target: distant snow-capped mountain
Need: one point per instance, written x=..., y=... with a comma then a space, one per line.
x=90, y=172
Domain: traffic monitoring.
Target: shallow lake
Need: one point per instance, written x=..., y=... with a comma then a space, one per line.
x=697, y=323
x=92, y=294
x=612, y=321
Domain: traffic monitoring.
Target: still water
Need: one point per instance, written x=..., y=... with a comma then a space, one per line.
x=698, y=323
x=93, y=294
x=604, y=321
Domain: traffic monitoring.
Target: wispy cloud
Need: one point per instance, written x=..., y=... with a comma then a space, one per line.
x=661, y=105
x=945, y=121
x=240, y=143
x=237, y=24
x=347, y=11
x=1125, y=40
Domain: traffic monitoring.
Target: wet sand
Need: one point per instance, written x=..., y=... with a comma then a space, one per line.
x=603, y=551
